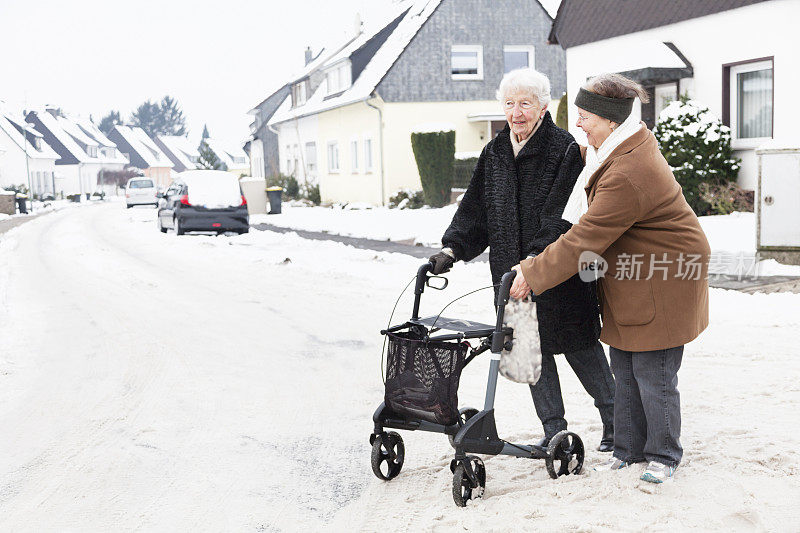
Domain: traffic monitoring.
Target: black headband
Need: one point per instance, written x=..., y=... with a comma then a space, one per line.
x=614, y=109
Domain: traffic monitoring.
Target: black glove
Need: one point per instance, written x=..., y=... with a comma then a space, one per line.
x=441, y=263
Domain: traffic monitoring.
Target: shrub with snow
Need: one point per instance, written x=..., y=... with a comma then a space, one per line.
x=697, y=147
x=407, y=199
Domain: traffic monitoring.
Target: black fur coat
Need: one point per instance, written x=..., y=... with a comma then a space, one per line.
x=514, y=207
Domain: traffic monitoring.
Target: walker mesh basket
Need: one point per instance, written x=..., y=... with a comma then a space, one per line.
x=422, y=377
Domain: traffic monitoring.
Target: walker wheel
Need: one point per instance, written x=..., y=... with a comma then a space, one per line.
x=564, y=455
x=462, y=487
x=388, y=453
x=464, y=414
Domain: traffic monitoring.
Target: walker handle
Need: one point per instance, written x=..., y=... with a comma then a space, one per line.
x=422, y=275
x=502, y=299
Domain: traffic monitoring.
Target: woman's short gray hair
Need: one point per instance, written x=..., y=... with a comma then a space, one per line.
x=525, y=80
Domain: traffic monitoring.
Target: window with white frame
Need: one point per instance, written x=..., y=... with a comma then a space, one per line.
x=338, y=77
x=751, y=102
x=368, y=155
x=515, y=57
x=664, y=94
x=466, y=62
x=311, y=158
x=299, y=93
x=333, y=156
x=354, y=155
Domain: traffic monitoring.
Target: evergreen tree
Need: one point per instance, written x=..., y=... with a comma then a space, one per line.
x=172, y=121
x=208, y=159
x=108, y=122
x=147, y=117
x=160, y=118
x=205, y=132
x=697, y=147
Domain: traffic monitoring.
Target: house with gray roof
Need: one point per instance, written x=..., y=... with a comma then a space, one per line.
x=346, y=121
x=25, y=157
x=183, y=154
x=143, y=153
x=84, y=153
x=737, y=57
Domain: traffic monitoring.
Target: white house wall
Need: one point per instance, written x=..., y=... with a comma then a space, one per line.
x=292, y=138
x=752, y=32
x=257, y=159
x=14, y=171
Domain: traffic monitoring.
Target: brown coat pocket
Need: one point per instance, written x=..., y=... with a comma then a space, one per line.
x=630, y=300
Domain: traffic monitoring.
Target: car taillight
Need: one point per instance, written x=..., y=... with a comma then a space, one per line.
x=185, y=199
x=244, y=201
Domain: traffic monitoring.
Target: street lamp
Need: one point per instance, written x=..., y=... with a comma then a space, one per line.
x=27, y=127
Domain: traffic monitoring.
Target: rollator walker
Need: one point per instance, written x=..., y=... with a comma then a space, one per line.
x=423, y=368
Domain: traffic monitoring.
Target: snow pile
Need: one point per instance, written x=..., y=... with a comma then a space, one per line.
x=732, y=237
x=212, y=188
x=424, y=226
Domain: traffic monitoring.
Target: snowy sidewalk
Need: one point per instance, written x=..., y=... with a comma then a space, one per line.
x=742, y=281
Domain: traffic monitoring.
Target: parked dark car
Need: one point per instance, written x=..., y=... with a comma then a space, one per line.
x=203, y=200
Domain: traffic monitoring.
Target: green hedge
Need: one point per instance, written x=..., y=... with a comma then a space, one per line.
x=435, y=154
x=462, y=172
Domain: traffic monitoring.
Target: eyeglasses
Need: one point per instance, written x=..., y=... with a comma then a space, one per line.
x=582, y=118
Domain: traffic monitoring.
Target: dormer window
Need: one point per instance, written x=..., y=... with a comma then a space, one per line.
x=299, y=93
x=91, y=151
x=338, y=77
x=37, y=143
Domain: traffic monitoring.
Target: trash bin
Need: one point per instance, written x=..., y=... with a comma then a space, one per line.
x=21, y=201
x=274, y=195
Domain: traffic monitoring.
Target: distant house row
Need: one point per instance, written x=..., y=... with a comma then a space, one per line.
x=345, y=120
x=66, y=155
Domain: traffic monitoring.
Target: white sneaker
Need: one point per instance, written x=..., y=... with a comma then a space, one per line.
x=658, y=473
x=611, y=464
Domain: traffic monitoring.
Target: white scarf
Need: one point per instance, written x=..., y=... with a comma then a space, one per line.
x=577, y=204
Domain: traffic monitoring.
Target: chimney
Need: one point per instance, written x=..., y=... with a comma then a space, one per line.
x=309, y=55
x=359, y=26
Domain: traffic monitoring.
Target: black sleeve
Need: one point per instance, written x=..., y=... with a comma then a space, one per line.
x=468, y=235
x=551, y=225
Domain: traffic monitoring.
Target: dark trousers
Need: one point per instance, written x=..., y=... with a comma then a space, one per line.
x=647, y=405
x=591, y=367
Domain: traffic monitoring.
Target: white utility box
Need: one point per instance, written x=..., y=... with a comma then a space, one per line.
x=255, y=191
x=778, y=203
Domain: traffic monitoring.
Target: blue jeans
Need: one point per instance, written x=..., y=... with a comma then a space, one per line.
x=591, y=367
x=647, y=405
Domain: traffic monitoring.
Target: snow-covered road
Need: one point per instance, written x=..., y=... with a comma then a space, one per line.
x=156, y=382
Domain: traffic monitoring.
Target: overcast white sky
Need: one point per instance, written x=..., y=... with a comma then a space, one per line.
x=219, y=59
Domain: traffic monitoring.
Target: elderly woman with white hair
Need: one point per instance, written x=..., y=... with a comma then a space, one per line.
x=513, y=205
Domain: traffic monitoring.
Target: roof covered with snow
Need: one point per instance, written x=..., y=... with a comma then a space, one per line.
x=13, y=125
x=143, y=145
x=179, y=149
x=232, y=155
x=411, y=15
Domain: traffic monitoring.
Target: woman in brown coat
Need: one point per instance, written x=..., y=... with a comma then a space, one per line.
x=652, y=255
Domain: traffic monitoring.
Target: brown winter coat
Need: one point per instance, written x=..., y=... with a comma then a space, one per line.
x=636, y=207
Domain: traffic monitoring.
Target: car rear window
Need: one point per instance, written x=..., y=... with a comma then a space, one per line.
x=141, y=184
